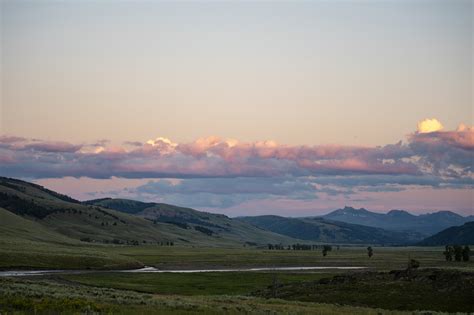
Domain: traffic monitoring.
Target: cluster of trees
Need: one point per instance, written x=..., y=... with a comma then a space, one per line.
x=105, y=214
x=325, y=249
x=168, y=243
x=204, y=230
x=127, y=242
x=457, y=253
x=107, y=223
x=178, y=224
x=299, y=246
x=22, y=206
x=277, y=247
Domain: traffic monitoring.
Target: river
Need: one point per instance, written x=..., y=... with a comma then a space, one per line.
x=23, y=273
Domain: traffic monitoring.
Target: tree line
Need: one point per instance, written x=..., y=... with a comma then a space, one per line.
x=324, y=248
x=457, y=253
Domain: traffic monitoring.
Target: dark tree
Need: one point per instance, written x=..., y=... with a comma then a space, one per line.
x=370, y=251
x=458, y=252
x=448, y=253
x=326, y=249
x=466, y=253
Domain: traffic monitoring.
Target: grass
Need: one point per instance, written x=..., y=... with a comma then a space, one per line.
x=214, y=293
x=431, y=289
x=21, y=296
x=40, y=255
x=385, y=258
x=434, y=289
x=39, y=215
x=208, y=283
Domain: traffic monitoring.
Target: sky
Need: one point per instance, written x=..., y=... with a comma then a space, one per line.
x=241, y=107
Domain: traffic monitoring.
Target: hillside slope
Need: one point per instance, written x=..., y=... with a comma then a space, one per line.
x=28, y=244
x=189, y=219
x=321, y=230
x=455, y=235
x=399, y=220
x=65, y=216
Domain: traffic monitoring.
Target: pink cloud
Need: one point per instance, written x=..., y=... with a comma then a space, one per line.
x=444, y=153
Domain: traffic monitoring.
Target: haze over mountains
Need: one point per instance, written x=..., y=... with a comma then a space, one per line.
x=320, y=229
x=32, y=212
x=400, y=220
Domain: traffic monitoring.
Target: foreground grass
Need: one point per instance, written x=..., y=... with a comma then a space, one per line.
x=434, y=289
x=208, y=283
x=18, y=296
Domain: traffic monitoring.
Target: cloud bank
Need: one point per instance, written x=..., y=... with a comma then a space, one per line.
x=223, y=172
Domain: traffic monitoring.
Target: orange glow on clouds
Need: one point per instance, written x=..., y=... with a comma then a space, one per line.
x=429, y=125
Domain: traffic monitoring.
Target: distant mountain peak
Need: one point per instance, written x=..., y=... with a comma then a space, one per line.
x=348, y=208
x=399, y=213
x=349, y=211
x=443, y=213
x=399, y=220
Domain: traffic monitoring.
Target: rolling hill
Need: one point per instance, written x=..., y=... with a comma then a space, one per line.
x=32, y=213
x=322, y=230
x=190, y=219
x=62, y=216
x=455, y=235
x=399, y=220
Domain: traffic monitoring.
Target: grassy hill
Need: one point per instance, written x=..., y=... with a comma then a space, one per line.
x=187, y=219
x=97, y=222
x=26, y=243
x=455, y=235
x=322, y=230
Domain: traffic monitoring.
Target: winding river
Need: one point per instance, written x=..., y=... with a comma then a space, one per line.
x=24, y=273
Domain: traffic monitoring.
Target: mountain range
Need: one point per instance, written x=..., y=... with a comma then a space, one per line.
x=30, y=212
x=400, y=220
x=329, y=231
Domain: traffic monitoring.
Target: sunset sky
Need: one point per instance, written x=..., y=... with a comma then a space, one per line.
x=244, y=108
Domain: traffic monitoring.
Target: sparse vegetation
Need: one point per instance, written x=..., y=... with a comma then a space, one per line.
x=428, y=289
x=326, y=249
x=370, y=251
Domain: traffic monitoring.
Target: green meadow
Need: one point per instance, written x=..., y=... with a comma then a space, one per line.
x=101, y=290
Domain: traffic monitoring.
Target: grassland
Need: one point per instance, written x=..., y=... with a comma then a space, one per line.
x=385, y=258
x=217, y=293
x=434, y=289
x=79, y=255
x=206, y=283
x=23, y=296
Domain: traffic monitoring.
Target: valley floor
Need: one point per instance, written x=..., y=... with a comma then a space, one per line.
x=372, y=291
